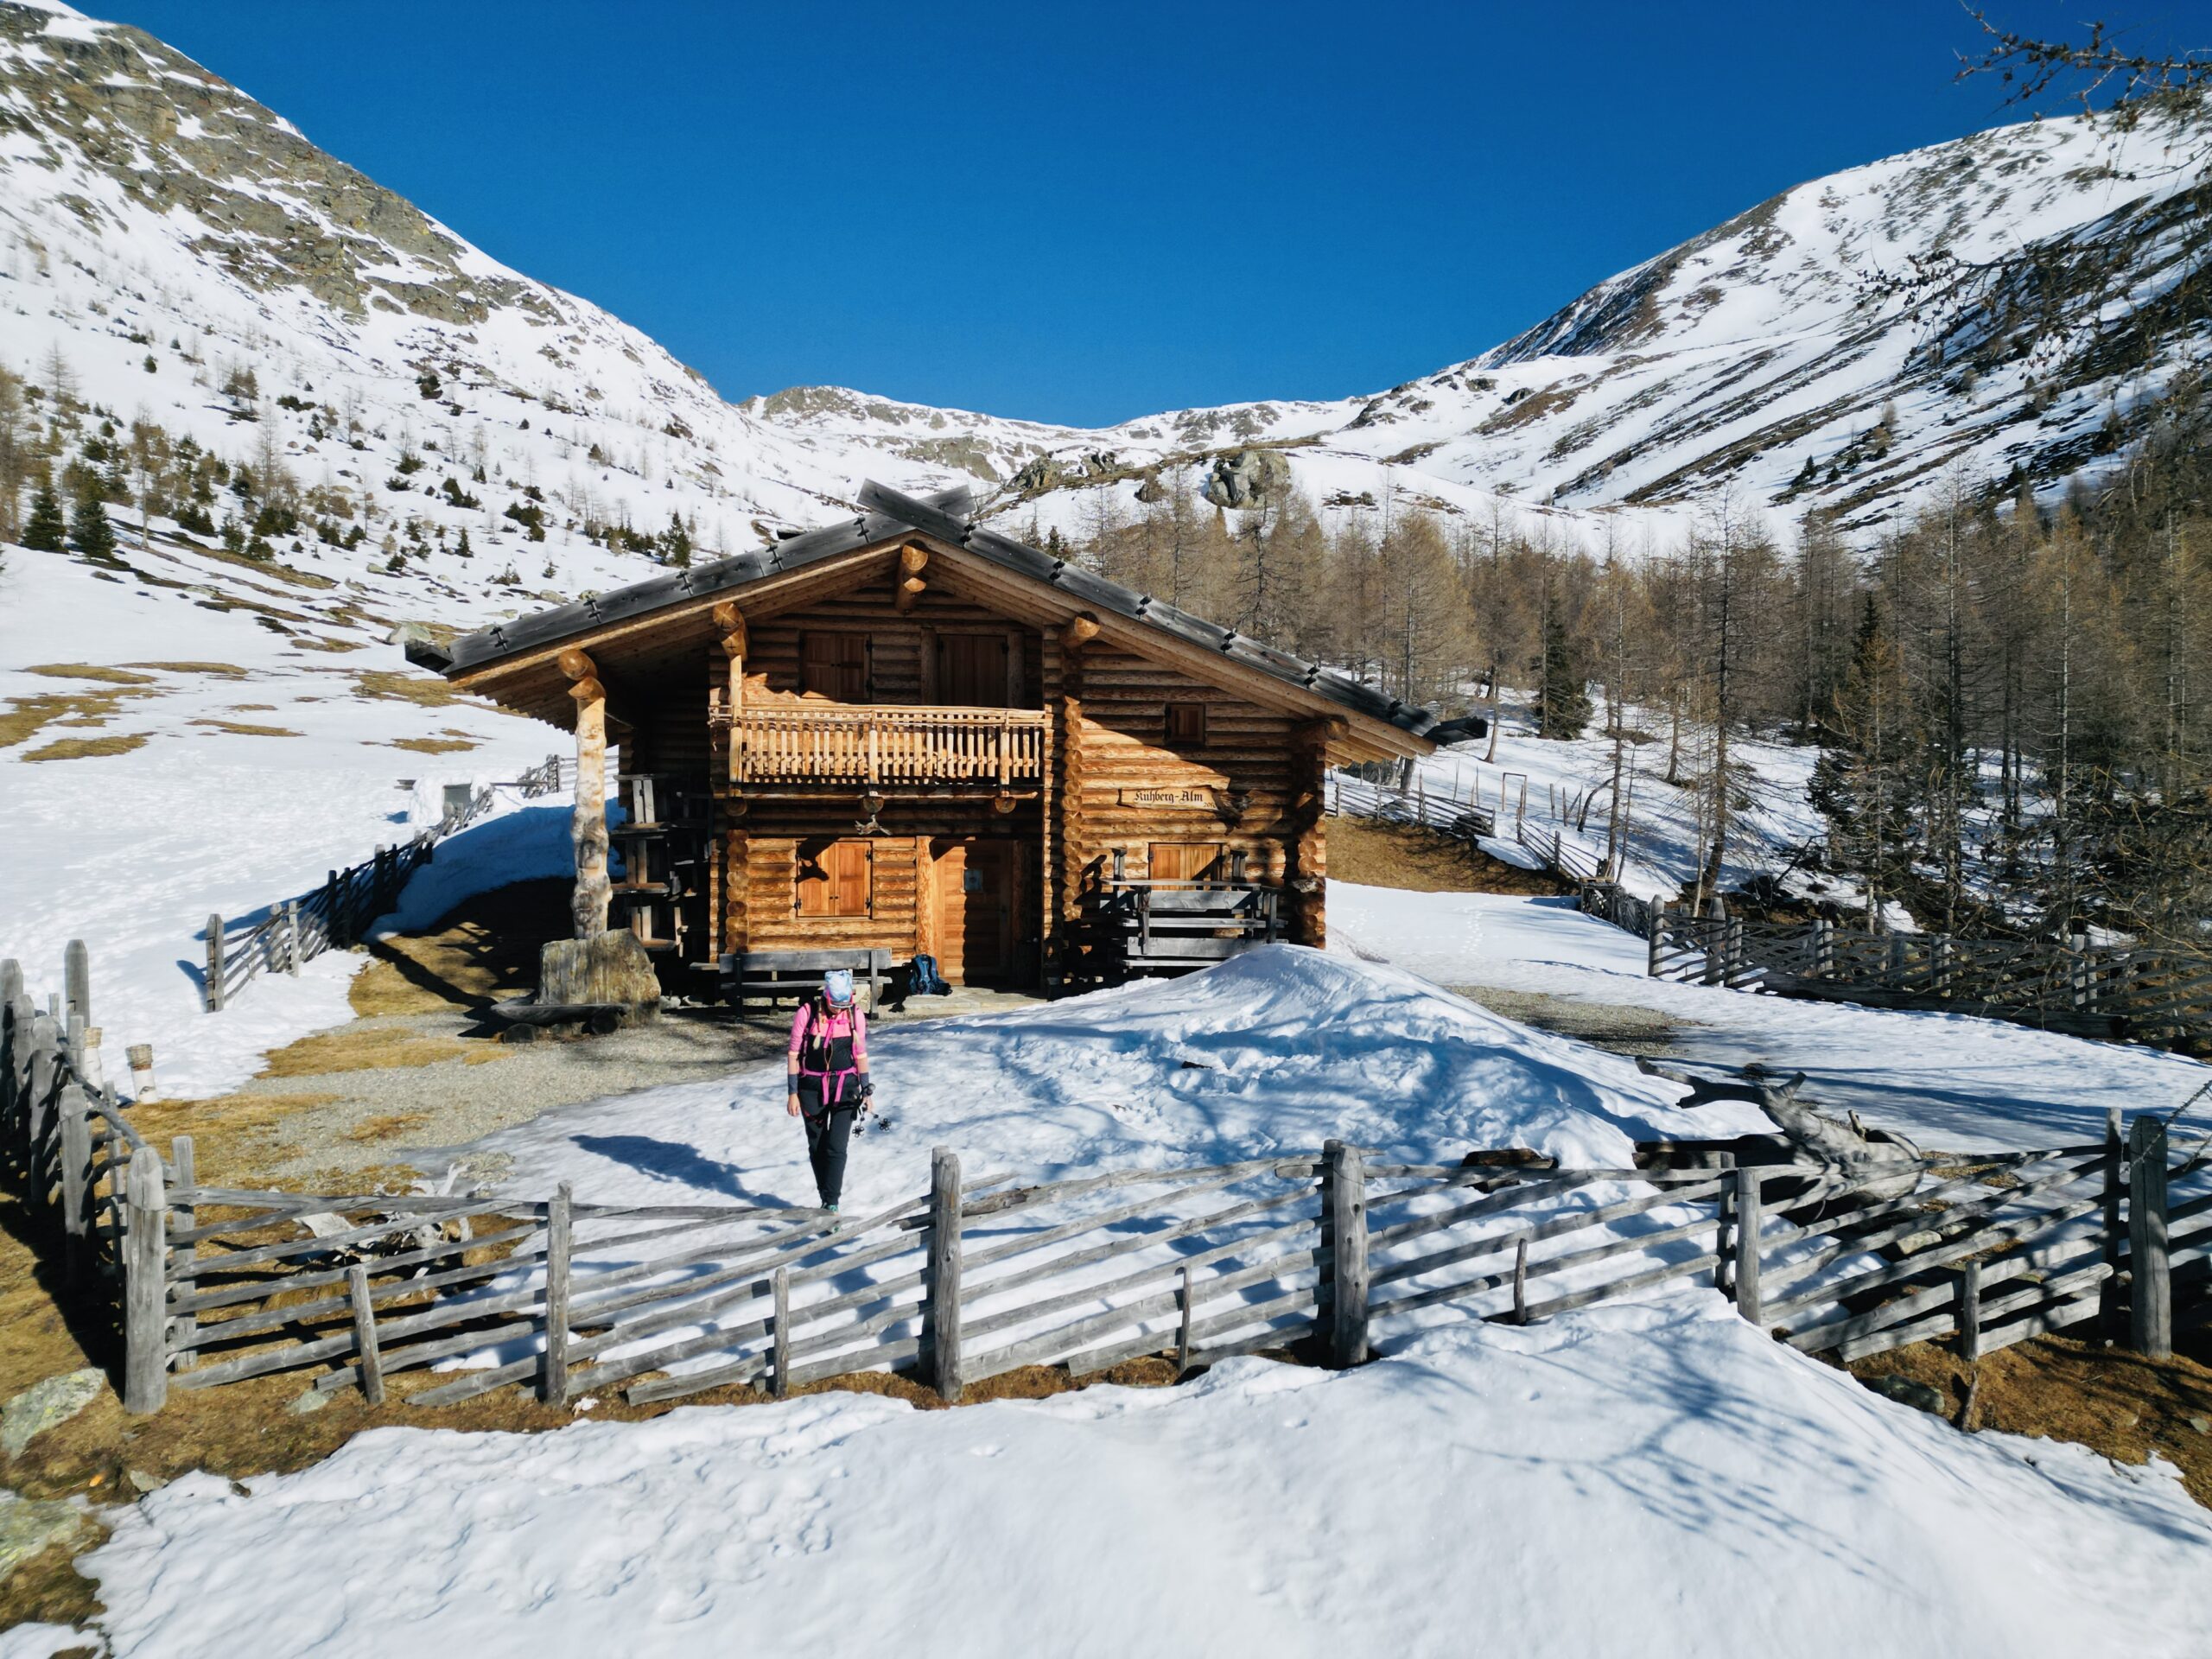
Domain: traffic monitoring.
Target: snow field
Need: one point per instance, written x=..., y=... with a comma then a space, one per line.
x=1658, y=1480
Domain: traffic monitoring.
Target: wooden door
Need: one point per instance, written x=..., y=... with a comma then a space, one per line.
x=971, y=669
x=1183, y=860
x=834, y=665
x=977, y=887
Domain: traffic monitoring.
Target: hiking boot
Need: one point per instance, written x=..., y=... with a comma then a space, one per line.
x=835, y=1222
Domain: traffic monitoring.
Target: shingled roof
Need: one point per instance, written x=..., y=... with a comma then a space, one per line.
x=889, y=514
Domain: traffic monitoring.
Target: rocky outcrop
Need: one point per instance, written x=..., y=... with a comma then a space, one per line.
x=1249, y=478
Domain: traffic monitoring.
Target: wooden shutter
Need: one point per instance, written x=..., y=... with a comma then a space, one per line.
x=835, y=877
x=972, y=671
x=1187, y=725
x=834, y=665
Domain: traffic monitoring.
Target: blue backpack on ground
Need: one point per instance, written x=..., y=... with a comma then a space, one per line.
x=927, y=981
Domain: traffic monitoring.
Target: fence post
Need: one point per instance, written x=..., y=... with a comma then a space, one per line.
x=145, y=1324
x=1183, y=1326
x=941, y=1304
x=214, y=964
x=553, y=1377
x=1716, y=941
x=2110, y=1306
x=76, y=1166
x=368, y=1358
x=77, y=977
x=333, y=921
x=11, y=1037
x=2151, y=1291
x=292, y=936
x=184, y=1328
x=1724, y=1237
x=1823, y=947
x=1749, y=1303
x=38, y=1104
x=1970, y=1312
x=779, y=1379
x=1344, y=1209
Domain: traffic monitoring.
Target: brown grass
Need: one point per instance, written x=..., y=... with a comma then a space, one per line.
x=1379, y=855
x=231, y=1135
x=224, y=670
x=430, y=745
x=404, y=687
x=309, y=642
x=84, y=672
x=2065, y=1388
x=486, y=949
x=377, y=1049
x=245, y=728
x=83, y=748
x=387, y=1126
x=24, y=718
x=298, y=577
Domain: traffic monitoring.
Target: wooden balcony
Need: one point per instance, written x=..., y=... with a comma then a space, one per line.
x=890, y=748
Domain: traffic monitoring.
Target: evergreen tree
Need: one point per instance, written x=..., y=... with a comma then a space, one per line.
x=1862, y=782
x=676, y=543
x=45, y=532
x=1565, y=707
x=89, y=533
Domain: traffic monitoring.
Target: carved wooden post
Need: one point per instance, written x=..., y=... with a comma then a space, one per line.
x=731, y=623
x=2151, y=1290
x=589, y=831
x=1344, y=1209
x=941, y=1288
x=145, y=1322
x=1823, y=947
x=1657, y=940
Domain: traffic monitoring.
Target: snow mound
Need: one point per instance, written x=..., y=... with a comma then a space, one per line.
x=1656, y=1480
x=1274, y=1050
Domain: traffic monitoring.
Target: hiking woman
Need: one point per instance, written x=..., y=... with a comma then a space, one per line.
x=826, y=1075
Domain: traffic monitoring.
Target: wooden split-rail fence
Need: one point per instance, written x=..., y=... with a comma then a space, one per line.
x=2149, y=993
x=1467, y=818
x=1318, y=1253
x=335, y=915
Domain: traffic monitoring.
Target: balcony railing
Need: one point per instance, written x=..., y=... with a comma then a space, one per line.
x=893, y=748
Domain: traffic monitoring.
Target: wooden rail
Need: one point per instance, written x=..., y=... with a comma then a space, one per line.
x=1320, y=1255
x=2149, y=993
x=893, y=748
x=335, y=915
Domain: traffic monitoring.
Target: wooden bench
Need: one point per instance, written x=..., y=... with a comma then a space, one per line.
x=1145, y=927
x=772, y=976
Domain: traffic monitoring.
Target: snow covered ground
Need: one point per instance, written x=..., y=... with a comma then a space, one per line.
x=1957, y=1082
x=1652, y=1477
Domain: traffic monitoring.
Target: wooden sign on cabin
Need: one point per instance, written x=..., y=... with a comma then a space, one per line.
x=1199, y=800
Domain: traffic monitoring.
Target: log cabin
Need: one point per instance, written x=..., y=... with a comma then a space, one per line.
x=907, y=734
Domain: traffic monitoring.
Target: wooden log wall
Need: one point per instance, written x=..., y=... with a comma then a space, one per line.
x=1117, y=733
x=901, y=669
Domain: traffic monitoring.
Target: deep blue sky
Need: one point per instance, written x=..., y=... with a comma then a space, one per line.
x=1088, y=213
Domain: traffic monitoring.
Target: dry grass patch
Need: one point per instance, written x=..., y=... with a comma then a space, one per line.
x=309, y=642
x=222, y=671
x=231, y=1134
x=86, y=671
x=395, y=687
x=1377, y=854
x=387, y=1126
x=24, y=718
x=2064, y=1389
x=246, y=728
x=485, y=949
x=376, y=1049
x=83, y=748
x=432, y=745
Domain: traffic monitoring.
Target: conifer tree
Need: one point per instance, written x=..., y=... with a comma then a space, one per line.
x=89, y=533
x=1565, y=707
x=45, y=532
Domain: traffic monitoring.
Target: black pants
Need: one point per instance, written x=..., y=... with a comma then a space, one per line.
x=829, y=1130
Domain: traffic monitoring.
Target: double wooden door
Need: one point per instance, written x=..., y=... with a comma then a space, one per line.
x=978, y=910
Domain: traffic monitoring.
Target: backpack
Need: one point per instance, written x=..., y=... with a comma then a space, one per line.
x=820, y=1052
x=927, y=981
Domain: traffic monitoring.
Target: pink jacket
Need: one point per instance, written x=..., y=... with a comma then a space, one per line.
x=844, y=1022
